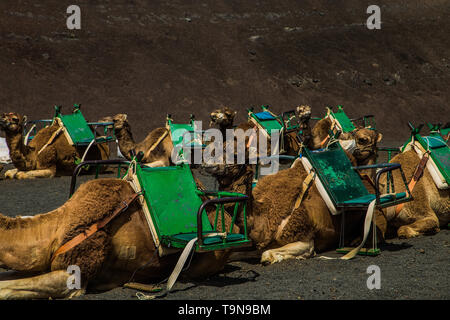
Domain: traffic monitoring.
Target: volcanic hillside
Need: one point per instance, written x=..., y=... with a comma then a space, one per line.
x=150, y=58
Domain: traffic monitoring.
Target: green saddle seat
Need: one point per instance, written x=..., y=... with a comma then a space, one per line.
x=341, y=181
x=184, y=238
x=77, y=129
x=365, y=200
x=173, y=201
x=266, y=120
x=343, y=120
x=439, y=152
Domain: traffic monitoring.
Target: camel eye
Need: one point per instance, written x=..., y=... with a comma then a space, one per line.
x=363, y=140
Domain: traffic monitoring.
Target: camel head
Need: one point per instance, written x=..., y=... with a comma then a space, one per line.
x=12, y=122
x=228, y=169
x=120, y=121
x=223, y=117
x=366, y=143
x=303, y=113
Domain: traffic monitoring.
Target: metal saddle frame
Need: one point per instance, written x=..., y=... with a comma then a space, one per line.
x=342, y=188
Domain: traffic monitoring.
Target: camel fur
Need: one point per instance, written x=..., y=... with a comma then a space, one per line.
x=157, y=146
x=223, y=118
x=430, y=208
x=107, y=259
x=36, y=161
x=277, y=229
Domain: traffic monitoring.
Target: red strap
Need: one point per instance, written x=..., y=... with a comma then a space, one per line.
x=94, y=228
x=418, y=173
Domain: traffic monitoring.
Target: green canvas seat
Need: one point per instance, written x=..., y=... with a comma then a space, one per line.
x=184, y=136
x=342, y=182
x=172, y=203
x=365, y=200
x=342, y=119
x=265, y=120
x=77, y=129
x=342, y=188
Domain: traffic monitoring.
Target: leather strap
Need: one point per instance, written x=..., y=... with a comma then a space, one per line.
x=305, y=187
x=95, y=227
x=418, y=173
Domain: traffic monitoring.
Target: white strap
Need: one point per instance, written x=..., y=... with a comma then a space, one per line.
x=367, y=223
x=184, y=255
x=180, y=264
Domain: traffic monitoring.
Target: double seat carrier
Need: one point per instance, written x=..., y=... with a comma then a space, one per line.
x=76, y=129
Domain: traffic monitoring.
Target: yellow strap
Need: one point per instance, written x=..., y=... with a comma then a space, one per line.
x=52, y=138
x=161, y=138
x=305, y=186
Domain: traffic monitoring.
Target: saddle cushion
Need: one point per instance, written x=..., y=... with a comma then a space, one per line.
x=264, y=116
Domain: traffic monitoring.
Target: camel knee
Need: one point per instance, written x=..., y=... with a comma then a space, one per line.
x=10, y=174
x=421, y=227
x=48, y=285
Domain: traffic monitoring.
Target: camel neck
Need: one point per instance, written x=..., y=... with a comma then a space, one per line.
x=27, y=243
x=18, y=151
x=125, y=140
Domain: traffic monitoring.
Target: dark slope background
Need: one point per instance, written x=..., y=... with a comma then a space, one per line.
x=150, y=58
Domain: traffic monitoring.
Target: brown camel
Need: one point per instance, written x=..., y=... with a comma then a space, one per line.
x=49, y=154
x=223, y=118
x=157, y=146
x=275, y=225
x=106, y=260
x=430, y=208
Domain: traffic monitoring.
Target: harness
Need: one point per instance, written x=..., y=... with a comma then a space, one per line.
x=95, y=227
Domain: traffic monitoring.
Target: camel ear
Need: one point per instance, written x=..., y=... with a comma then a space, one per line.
x=24, y=119
x=379, y=137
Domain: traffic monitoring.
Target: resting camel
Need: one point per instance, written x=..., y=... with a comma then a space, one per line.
x=107, y=259
x=157, y=146
x=223, y=118
x=277, y=228
x=49, y=154
x=430, y=208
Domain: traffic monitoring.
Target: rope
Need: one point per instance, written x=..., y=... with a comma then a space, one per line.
x=52, y=138
x=25, y=141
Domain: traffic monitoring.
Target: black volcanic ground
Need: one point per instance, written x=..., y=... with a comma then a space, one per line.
x=150, y=58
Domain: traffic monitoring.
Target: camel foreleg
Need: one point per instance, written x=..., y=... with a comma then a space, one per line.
x=10, y=174
x=43, y=173
x=297, y=250
x=427, y=225
x=45, y=286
